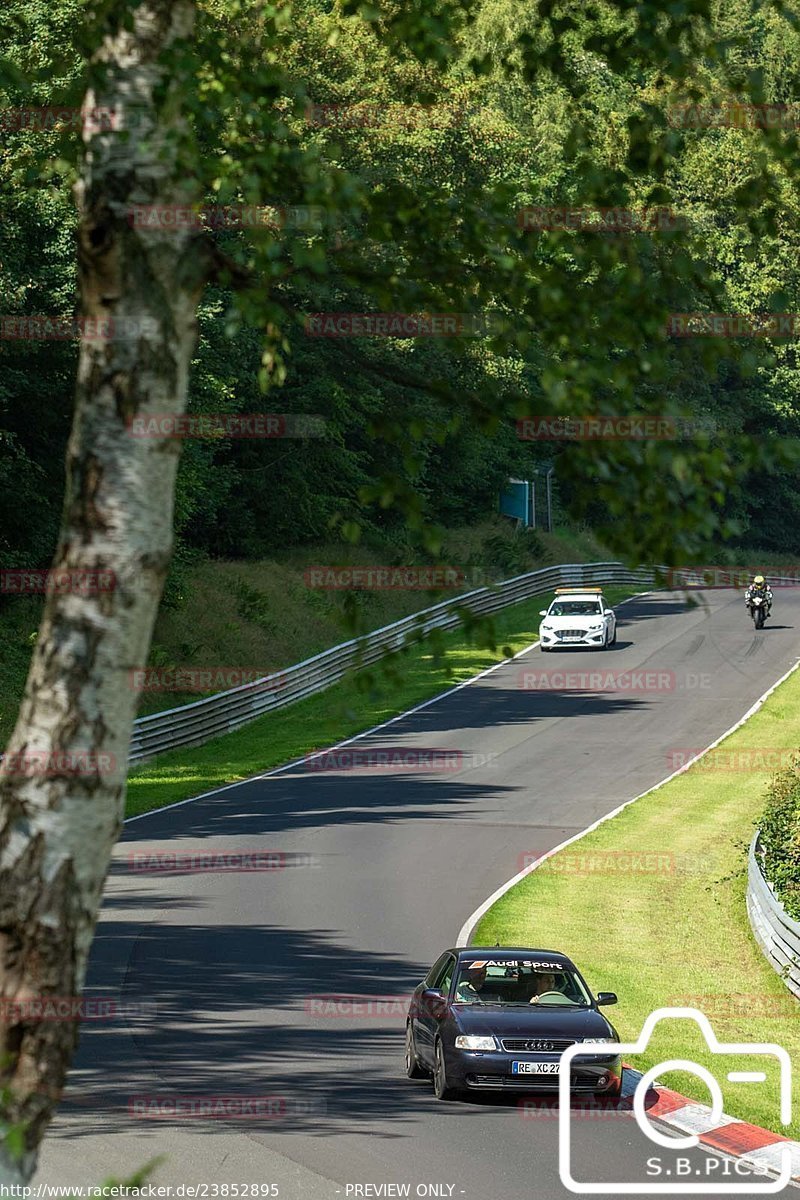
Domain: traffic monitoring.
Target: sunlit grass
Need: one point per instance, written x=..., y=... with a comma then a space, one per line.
x=677, y=933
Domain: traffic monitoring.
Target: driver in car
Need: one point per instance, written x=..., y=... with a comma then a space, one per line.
x=543, y=983
x=470, y=986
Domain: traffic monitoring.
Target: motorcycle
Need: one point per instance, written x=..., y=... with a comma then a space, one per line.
x=758, y=610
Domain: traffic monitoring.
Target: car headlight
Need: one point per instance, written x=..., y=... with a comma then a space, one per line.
x=602, y=1041
x=468, y=1041
x=546, y=628
x=595, y=628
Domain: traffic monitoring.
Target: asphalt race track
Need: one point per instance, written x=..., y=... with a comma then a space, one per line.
x=375, y=874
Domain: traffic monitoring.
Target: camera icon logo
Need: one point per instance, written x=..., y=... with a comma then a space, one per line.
x=672, y=1143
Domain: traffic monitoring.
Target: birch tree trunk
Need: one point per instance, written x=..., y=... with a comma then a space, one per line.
x=58, y=819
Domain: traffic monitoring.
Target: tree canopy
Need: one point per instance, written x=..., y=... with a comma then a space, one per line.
x=399, y=145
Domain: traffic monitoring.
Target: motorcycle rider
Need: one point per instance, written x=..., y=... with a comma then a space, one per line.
x=759, y=587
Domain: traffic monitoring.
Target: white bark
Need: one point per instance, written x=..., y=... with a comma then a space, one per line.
x=57, y=832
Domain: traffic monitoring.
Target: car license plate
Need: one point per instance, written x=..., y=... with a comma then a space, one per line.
x=534, y=1068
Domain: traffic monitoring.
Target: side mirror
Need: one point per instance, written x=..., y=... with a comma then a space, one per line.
x=432, y=1003
x=609, y=610
x=542, y=612
x=606, y=998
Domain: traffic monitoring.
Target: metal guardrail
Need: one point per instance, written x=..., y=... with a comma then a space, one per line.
x=192, y=724
x=776, y=932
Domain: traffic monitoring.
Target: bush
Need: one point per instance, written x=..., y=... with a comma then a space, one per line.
x=510, y=553
x=780, y=838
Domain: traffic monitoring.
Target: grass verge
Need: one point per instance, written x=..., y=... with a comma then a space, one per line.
x=343, y=710
x=672, y=927
x=262, y=616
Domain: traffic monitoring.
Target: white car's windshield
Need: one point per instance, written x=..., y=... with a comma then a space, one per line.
x=575, y=608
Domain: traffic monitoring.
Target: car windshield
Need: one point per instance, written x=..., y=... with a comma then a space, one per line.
x=575, y=608
x=520, y=982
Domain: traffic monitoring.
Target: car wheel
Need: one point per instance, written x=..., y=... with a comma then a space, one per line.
x=606, y=642
x=544, y=649
x=440, y=1086
x=413, y=1069
x=614, y=638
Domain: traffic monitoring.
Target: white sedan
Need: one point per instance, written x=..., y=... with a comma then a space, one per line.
x=578, y=617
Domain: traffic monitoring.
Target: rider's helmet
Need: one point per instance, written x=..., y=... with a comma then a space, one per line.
x=759, y=581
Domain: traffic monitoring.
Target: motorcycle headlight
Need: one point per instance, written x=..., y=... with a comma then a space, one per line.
x=469, y=1041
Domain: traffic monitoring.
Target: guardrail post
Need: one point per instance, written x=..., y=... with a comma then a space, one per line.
x=198, y=722
x=777, y=934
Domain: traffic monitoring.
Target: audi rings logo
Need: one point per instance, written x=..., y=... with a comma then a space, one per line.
x=538, y=1045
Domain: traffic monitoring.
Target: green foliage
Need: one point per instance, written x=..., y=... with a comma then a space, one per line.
x=253, y=605
x=509, y=556
x=780, y=838
x=477, y=110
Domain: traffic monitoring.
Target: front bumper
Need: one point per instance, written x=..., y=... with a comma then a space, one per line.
x=491, y=1070
x=552, y=641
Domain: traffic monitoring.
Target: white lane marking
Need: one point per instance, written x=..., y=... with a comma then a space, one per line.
x=365, y=733
x=471, y=921
x=296, y=762
x=763, y=1156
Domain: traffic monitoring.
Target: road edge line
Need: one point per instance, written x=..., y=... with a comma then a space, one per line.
x=469, y=925
x=225, y=787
